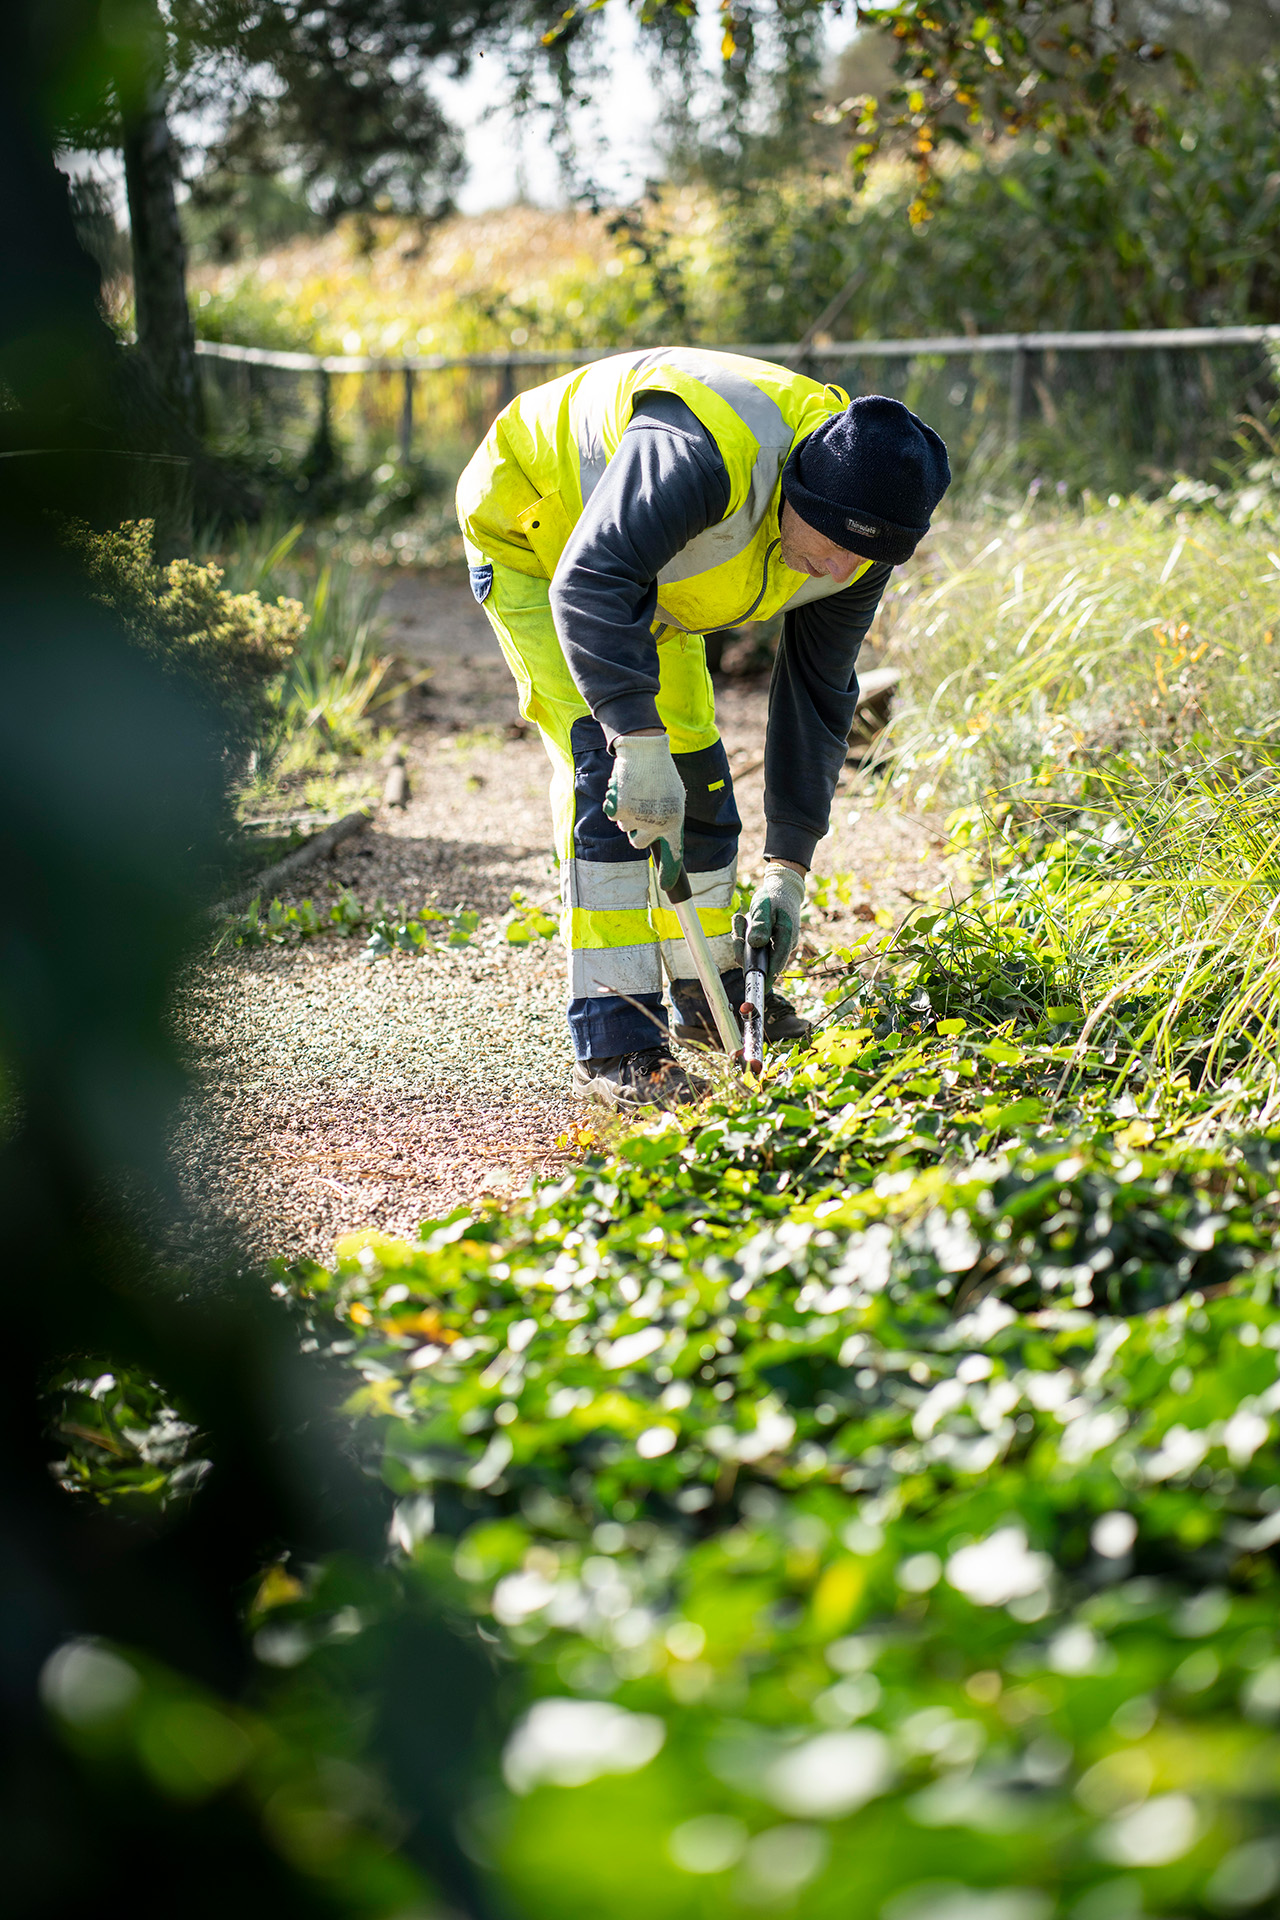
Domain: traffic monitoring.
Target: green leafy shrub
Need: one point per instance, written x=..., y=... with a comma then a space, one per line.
x=871, y=1477
x=124, y=1440
x=527, y=921
x=415, y=933
x=1177, y=229
x=868, y=1474
x=874, y=1473
x=334, y=678
x=388, y=931
x=234, y=644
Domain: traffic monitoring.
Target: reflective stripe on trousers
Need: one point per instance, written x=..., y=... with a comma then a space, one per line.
x=618, y=936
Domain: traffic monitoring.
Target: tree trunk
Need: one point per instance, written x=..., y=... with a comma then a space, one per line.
x=166, y=337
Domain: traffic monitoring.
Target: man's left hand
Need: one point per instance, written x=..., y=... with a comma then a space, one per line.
x=773, y=918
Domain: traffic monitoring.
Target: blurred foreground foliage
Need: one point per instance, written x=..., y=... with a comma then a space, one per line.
x=138, y=1771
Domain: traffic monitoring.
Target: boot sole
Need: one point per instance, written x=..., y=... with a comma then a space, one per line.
x=618, y=1101
x=614, y=1099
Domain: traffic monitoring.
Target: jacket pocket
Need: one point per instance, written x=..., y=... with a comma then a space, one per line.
x=546, y=526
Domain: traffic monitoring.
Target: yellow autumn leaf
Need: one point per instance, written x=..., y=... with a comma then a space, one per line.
x=277, y=1589
x=841, y=1046
x=611, y=1409
x=427, y=1323
x=837, y=1594
x=387, y=1249
x=374, y=1399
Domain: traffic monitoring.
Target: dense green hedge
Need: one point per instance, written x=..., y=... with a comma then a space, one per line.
x=867, y=1484
x=1179, y=228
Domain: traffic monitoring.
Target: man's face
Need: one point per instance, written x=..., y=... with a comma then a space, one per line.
x=805, y=550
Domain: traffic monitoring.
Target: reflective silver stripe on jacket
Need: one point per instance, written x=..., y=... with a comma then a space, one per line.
x=763, y=418
x=768, y=426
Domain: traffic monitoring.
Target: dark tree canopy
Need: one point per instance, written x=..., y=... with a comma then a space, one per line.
x=335, y=99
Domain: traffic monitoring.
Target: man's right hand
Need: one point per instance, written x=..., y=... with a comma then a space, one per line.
x=646, y=793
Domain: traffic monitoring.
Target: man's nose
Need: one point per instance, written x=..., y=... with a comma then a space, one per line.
x=839, y=565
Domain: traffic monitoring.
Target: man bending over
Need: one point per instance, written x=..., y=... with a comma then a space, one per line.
x=612, y=518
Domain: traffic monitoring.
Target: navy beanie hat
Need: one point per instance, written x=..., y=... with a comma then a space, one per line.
x=869, y=478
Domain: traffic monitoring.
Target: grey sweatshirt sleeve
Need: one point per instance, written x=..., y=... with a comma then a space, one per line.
x=813, y=697
x=665, y=485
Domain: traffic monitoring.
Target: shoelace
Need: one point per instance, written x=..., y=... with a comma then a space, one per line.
x=649, y=1062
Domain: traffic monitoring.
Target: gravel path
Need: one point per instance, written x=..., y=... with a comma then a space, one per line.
x=341, y=1094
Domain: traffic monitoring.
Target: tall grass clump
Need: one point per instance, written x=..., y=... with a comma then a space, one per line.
x=1035, y=653
x=1145, y=933
x=330, y=689
x=1104, y=694
x=1190, y=949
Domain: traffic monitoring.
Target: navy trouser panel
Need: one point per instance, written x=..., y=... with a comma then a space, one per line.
x=622, y=931
x=615, y=1003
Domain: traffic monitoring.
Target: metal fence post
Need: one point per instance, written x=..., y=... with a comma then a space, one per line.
x=255, y=385
x=320, y=455
x=1017, y=389
x=406, y=417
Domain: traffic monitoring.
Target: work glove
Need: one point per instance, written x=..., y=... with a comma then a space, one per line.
x=773, y=918
x=646, y=793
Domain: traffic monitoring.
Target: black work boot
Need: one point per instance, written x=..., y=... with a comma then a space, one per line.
x=783, y=1026
x=651, y=1078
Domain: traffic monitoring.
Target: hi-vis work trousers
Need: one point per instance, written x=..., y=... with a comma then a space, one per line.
x=618, y=935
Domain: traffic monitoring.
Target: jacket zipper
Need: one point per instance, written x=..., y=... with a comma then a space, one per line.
x=738, y=618
x=764, y=584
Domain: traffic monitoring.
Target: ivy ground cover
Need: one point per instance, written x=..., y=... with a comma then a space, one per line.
x=869, y=1483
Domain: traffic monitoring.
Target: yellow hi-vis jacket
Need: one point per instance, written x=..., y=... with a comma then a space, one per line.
x=524, y=490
